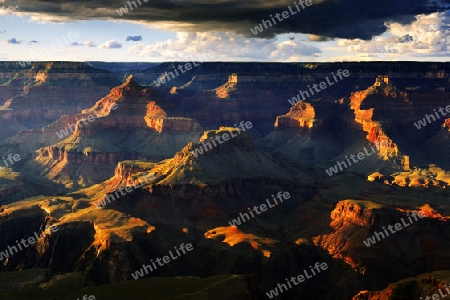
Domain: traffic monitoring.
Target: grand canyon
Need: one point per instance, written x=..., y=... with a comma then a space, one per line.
x=101, y=168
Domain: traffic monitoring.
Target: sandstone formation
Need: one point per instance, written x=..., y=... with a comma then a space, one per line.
x=136, y=115
x=381, y=92
x=203, y=184
x=47, y=91
x=300, y=115
x=419, y=287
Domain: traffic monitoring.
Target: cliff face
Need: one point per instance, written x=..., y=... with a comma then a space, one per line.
x=196, y=208
x=261, y=93
x=219, y=155
x=203, y=183
x=324, y=132
x=301, y=115
x=173, y=125
x=131, y=106
x=85, y=242
x=224, y=90
x=7, y=92
x=91, y=238
x=135, y=114
x=228, y=103
x=38, y=101
x=445, y=132
x=389, y=99
x=92, y=158
x=234, y=91
x=12, y=187
x=314, y=131
x=48, y=90
x=54, y=73
x=135, y=225
x=209, y=74
x=353, y=222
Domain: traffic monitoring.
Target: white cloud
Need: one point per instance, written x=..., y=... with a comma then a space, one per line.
x=425, y=37
x=111, y=44
x=226, y=46
x=294, y=51
x=89, y=44
x=136, y=48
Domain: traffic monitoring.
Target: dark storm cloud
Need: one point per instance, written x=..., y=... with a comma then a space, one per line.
x=327, y=18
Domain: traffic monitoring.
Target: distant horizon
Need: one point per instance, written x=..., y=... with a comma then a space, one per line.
x=243, y=62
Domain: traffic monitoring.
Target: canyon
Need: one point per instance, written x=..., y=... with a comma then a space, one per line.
x=142, y=129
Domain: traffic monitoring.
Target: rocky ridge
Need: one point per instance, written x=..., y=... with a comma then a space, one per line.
x=137, y=116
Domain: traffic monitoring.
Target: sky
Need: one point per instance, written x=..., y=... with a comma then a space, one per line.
x=225, y=30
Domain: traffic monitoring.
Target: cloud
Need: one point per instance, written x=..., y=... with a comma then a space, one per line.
x=76, y=44
x=134, y=38
x=89, y=44
x=318, y=38
x=426, y=36
x=111, y=44
x=348, y=19
x=225, y=46
x=13, y=41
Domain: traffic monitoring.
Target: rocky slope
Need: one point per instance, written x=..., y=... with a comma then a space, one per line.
x=195, y=196
x=11, y=186
x=419, y=287
x=49, y=90
x=119, y=126
x=410, y=251
x=192, y=200
x=381, y=116
x=7, y=92
x=308, y=133
x=390, y=99
x=262, y=91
